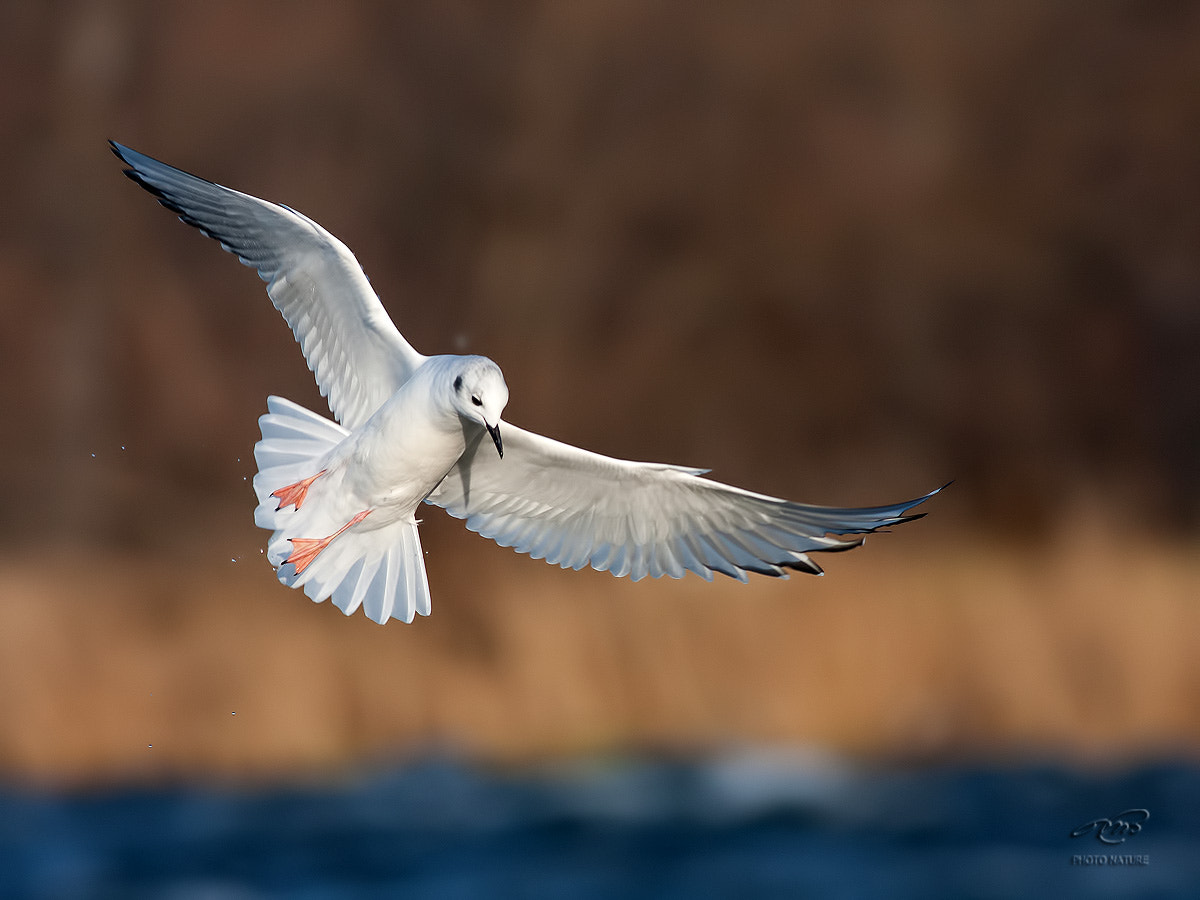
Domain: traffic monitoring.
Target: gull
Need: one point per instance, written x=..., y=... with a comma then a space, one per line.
x=340, y=498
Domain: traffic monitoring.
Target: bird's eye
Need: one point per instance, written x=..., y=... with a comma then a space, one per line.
x=477, y=401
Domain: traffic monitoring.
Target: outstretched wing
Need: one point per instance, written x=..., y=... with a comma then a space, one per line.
x=575, y=508
x=357, y=354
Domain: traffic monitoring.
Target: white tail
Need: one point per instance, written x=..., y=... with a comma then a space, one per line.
x=381, y=569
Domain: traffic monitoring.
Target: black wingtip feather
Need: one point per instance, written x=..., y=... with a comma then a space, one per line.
x=841, y=546
x=807, y=567
x=165, y=199
x=767, y=569
x=120, y=151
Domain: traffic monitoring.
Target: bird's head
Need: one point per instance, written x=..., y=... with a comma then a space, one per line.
x=480, y=394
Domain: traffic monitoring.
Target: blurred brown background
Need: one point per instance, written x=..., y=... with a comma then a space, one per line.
x=838, y=252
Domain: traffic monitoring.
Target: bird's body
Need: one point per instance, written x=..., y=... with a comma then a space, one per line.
x=405, y=448
x=341, y=499
x=317, y=479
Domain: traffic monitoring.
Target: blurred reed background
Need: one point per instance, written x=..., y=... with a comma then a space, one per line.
x=836, y=252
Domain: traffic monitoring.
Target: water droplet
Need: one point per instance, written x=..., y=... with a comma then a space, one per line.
x=93, y=456
x=149, y=746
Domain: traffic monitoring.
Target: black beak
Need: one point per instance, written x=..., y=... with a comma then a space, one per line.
x=494, y=431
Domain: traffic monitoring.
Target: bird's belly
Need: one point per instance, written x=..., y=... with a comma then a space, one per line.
x=392, y=474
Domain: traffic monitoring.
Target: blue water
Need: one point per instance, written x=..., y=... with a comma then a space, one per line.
x=746, y=826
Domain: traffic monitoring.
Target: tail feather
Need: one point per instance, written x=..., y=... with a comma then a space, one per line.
x=349, y=594
x=380, y=569
x=378, y=604
x=292, y=435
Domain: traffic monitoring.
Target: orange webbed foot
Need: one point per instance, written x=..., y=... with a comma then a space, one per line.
x=294, y=494
x=305, y=550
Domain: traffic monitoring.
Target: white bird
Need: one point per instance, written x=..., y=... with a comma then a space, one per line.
x=340, y=499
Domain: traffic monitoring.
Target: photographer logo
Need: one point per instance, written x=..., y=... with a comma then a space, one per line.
x=1116, y=830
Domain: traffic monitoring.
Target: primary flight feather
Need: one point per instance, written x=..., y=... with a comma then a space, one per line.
x=340, y=498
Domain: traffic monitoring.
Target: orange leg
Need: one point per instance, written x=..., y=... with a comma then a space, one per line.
x=294, y=494
x=305, y=550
